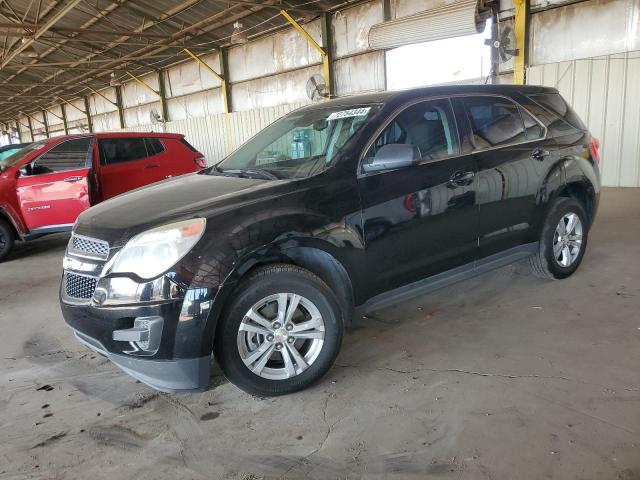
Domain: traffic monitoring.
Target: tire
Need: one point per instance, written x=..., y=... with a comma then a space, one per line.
x=556, y=263
x=7, y=239
x=263, y=292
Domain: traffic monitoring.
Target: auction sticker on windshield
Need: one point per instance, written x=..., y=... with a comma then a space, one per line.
x=354, y=112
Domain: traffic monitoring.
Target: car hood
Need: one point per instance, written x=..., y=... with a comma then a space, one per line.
x=188, y=196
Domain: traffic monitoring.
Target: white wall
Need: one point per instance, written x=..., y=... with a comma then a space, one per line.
x=605, y=92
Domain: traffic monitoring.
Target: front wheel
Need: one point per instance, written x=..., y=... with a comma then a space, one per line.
x=563, y=240
x=7, y=239
x=281, y=333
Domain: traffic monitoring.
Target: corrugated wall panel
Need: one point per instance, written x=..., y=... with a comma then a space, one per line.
x=218, y=135
x=605, y=92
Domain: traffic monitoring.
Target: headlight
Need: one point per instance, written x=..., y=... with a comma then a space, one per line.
x=155, y=251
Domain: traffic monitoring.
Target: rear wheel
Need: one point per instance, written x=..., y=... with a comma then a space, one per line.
x=281, y=333
x=563, y=241
x=7, y=239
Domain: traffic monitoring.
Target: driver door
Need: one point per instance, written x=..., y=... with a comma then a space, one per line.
x=55, y=188
x=422, y=219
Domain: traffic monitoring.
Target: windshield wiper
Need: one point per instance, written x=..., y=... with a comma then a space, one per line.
x=252, y=173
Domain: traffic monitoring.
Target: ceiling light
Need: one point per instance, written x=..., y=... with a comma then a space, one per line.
x=114, y=82
x=238, y=37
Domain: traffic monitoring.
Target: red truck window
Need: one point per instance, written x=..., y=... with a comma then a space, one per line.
x=118, y=150
x=154, y=146
x=69, y=155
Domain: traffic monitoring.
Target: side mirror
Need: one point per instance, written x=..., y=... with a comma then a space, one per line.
x=25, y=170
x=393, y=156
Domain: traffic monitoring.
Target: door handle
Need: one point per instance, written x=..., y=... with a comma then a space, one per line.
x=73, y=179
x=539, y=154
x=152, y=165
x=461, y=179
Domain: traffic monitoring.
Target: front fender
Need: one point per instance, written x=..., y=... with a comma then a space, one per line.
x=14, y=219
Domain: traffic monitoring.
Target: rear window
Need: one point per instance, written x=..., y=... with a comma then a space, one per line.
x=495, y=121
x=188, y=145
x=119, y=150
x=154, y=146
x=556, y=114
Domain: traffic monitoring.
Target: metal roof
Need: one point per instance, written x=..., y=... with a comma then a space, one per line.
x=80, y=42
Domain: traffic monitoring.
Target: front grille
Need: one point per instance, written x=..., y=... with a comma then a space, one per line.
x=79, y=286
x=89, y=247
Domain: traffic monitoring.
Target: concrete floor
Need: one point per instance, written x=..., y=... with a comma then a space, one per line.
x=504, y=376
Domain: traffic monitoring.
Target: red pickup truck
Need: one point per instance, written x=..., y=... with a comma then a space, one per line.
x=46, y=185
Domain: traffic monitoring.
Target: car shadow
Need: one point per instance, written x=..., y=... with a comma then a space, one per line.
x=40, y=246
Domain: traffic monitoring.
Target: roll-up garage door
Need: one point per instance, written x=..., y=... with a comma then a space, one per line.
x=456, y=19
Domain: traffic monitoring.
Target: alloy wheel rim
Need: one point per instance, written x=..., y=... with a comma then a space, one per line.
x=281, y=336
x=567, y=240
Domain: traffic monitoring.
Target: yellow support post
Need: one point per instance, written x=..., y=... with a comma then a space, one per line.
x=101, y=95
x=201, y=62
x=520, y=27
x=324, y=52
x=223, y=81
x=151, y=89
x=144, y=84
x=298, y=27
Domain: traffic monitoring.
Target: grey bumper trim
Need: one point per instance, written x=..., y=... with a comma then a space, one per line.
x=171, y=376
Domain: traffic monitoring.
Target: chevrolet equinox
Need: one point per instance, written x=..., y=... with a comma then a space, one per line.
x=339, y=207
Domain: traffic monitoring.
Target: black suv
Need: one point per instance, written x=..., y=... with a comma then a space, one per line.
x=354, y=203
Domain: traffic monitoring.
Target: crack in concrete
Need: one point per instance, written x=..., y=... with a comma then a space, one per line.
x=324, y=440
x=499, y=375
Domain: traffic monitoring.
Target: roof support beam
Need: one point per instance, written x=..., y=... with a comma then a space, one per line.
x=87, y=111
x=66, y=8
x=18, y=131
x=30, y=128
x=226, y=85
x=159, y=94
x=46, y=123
x=327, y=59
x=25, y=29
x=226, y=91
x=119, y=105
x=163, y=97
x=63, y=108
x=102, y=96
x=327, y=63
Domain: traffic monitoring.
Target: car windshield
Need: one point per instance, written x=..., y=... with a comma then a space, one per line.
x=298, y=145
x=21, y=154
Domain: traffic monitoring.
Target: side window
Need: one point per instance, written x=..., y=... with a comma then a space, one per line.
x=119, y=150
x=556, y=114
x=154, y=146
x=428, y=125
x=68, y=155
x=532, y=129
x=494, y=121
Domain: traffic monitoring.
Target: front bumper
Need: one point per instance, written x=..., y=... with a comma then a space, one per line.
x=171, y=376
x=179, y=359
